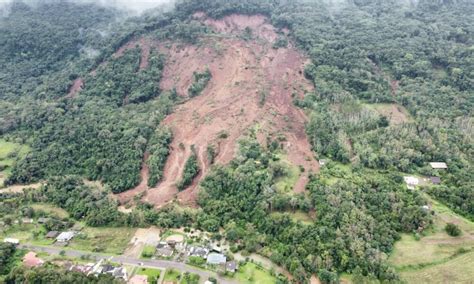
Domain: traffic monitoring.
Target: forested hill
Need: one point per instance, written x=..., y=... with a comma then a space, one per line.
x=391, y=90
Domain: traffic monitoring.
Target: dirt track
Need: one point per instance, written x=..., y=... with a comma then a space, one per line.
x=252, y=85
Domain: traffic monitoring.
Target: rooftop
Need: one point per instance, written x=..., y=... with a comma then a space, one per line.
x=216, y=258
x=438, y=165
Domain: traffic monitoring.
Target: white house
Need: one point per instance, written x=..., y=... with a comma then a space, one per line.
x=11, y=241
x=65, y=237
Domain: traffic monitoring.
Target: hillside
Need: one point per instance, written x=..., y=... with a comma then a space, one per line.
x=285, y=130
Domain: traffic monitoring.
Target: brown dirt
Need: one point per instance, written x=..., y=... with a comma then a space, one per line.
x=142, y=237
x=128, y=195
x=241, y=71
x=75, y=88
x=20, y=188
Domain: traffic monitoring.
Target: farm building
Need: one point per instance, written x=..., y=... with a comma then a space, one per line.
x=31, y=260
x=438, y=165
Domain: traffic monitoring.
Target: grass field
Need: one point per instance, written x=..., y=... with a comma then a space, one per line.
x=251, y=273
x=8, y=152
x=107, y=240
x=172, y=275
x=148, y=251
x=286, y=183
x=51, y=210
x=152, y=274
x=437, y=257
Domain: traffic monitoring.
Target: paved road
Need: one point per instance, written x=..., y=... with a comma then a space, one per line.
x=158, y=264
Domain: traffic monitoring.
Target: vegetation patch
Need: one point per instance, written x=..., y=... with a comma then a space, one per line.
x=191, y=170
x=200, y=81
x=152, y=274
x=148, y=251
x=251, y=273
x=106, y=240
x=172, y=275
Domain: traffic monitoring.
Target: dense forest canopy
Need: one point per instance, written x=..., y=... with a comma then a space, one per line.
x=365, y=55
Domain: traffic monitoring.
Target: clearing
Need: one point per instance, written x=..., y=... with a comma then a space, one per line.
x=437, y=257
x=395, y=113
x=106, y=240
x=9, y=151
x=251, y=273
x=252, y=84
x=141, y=239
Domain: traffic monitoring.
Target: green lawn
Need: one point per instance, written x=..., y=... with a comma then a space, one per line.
x=436, y=257
x=190, y=278
x=152, y=274
x=172, y=275
x=148, y=251
x=251, y=273
x=8, y=152
x=287, y=182
x=107, y=240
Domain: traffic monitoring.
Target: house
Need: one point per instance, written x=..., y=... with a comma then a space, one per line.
x=411, y=182
x=435, y=180
x=31, y=260
x=231, y=266
x=216, y=258
x=101, y=268
x=52, y=234
x=65, y=237
x=138, y=279
x=163, y=249
x=438, y=165
x=11, y=241
x=322, y=162
x=199, y=251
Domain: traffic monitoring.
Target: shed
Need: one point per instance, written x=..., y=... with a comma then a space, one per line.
x=411, y=182
x=231, y=266
x=52, y=234
x=438, y=165
x=435, y=180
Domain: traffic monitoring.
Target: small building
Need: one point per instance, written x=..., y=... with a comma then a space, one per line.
x=138, y=279
x=438, y=165
x=322, y=162
x=27, y=221
x=43, y=220
x=65, y=237
x=231, y=266
x=411, y=182
x=31, y=260
x=425, y=207
x=435, y=180
x=11, y=241
x=216, y=258
x=52, y=234
x=85, y=269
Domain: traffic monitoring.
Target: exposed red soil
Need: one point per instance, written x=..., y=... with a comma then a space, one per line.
x=75, y=88
x=140, y=188
x=241, y=72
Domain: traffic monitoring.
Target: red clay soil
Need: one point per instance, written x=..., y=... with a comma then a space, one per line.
x=75, y=88
x=141, y=188
x=232, y=102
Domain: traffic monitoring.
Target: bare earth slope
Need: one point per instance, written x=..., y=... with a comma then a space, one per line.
x=252, y=85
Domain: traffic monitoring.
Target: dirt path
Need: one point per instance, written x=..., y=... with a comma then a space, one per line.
x=75, y=88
